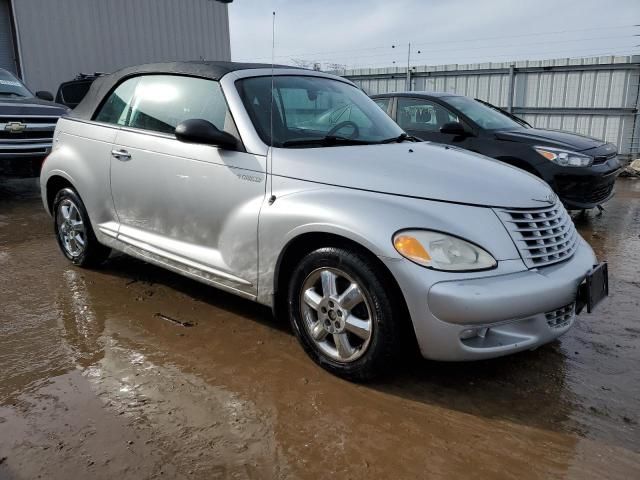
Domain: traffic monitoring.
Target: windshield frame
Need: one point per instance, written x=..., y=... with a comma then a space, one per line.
x=514, y=125
x=22, y=90
x=394, y=129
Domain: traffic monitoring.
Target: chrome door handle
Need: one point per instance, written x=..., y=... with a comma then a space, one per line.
x=121, y=155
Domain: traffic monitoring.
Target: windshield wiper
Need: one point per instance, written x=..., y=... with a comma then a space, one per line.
x=328, y=140
x=400, y=138
x=12, y=93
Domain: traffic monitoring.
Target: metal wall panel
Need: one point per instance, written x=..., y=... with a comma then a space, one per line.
x=59, y=39
x=597, y=96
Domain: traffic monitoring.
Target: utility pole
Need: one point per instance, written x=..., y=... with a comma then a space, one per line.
x=408, y=85
x=409, y=68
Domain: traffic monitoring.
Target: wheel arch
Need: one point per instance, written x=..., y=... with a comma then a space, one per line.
x=54, y=184
x=299, y=246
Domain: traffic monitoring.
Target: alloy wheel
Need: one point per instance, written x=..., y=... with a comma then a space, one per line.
x=71, y=228
x=337, y=314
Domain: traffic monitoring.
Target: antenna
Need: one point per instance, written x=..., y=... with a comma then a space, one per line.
x=273, y=50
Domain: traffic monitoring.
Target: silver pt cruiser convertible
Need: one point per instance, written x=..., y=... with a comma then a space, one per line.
x=293, y=189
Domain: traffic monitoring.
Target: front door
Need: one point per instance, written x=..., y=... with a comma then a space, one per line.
x=192, y=207
x=423, y=119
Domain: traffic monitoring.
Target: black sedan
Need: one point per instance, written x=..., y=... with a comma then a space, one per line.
x=580, y=169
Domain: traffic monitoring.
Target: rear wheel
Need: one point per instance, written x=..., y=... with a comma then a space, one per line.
x=342, y=313
x=73, y=230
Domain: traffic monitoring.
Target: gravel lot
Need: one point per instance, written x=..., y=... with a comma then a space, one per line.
x=96, y=381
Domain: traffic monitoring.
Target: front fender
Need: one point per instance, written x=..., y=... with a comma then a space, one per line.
x=370, y=219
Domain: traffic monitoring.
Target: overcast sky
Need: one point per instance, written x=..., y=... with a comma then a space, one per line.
x=360, y=33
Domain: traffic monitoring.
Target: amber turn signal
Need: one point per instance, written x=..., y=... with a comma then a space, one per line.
x=411, y=248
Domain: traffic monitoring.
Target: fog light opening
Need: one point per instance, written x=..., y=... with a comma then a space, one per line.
x=474, y=332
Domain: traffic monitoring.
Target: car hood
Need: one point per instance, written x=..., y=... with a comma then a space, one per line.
x=420, y=170
x=550, y=138
x=31, y=106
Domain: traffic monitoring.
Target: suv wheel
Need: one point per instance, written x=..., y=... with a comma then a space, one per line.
x=341, y=313
x=73, y=230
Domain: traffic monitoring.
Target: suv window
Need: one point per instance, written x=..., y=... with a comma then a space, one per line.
x=115, y=110
x=71, y=93
x=422, y=115
x=10, y=86
x=161, y=102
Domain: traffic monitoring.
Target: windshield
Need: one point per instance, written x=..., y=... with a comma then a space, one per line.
x=10, y=86
x=314, y=111
x=484, y=116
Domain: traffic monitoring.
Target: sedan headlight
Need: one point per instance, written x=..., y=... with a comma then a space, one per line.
x=565, y=158
x=441, y=251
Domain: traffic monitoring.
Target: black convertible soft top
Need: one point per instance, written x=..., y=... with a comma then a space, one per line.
x=212, y=70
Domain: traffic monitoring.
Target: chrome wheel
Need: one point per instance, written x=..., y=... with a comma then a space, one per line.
x=337, y=314
x=71, y=228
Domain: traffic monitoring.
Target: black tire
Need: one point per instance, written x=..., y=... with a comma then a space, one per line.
x=93, y=253
x=382, y=349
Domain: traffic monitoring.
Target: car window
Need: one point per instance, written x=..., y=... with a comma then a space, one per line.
x=422, y=115
x=322, y=111
x=383, y=103
x=161, y=102
x=308, y=108
x=486, y=117
x=72, y=93
x=118, y=105
x=10, y=86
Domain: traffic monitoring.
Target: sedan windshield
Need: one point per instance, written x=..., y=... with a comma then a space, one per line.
x=484, y=116
x=10, y=86
x=313, y=111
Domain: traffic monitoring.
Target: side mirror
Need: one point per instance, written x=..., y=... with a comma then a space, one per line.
x=44, y=95
x=454, y=128
x=202, y=131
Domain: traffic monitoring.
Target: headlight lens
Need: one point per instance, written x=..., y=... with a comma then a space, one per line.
x=565, y=158
x=441, y=251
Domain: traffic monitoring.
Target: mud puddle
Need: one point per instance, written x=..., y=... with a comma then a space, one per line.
x=96, y=383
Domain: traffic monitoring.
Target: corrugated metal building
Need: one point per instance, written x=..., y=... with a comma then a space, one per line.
x=49, y=41
x=597, y=96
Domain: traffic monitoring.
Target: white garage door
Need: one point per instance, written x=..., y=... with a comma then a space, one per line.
x=6, y=39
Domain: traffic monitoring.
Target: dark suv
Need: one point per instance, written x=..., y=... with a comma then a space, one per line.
x=27, y=123
x=581, y=170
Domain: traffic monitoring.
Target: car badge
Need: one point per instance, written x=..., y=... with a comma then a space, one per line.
x=550, y=199
x=15, y=127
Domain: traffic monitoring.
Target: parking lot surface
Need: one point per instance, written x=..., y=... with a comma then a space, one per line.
x=130, y=371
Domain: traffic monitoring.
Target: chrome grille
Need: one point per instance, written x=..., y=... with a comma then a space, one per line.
x=543, y=235
x=561, y=317
x=35, y=137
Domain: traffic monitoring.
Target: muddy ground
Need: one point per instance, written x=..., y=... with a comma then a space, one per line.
x=94, y=383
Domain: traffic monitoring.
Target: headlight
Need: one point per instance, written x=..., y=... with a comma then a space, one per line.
x=565, y=158
x=441, y=251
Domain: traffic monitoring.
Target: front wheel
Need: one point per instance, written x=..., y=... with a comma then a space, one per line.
x=343, y=313
x=73, y=230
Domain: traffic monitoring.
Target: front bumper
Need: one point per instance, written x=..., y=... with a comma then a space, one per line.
x=583, y=188
x=25, y=166
x=517, y=309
